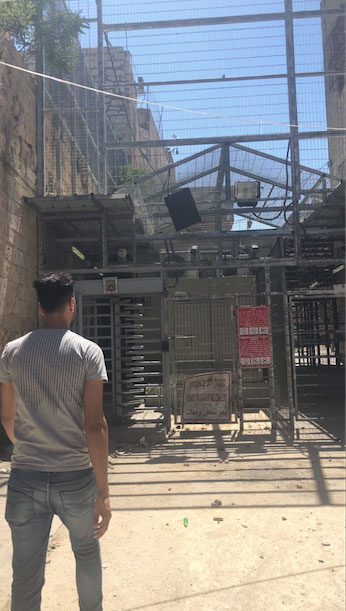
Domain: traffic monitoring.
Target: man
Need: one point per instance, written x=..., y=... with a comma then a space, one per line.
x=51, y=409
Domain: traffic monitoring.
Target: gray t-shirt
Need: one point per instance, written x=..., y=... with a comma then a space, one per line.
x=48, y=369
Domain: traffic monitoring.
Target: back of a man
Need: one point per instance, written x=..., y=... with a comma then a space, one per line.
x=52, y=411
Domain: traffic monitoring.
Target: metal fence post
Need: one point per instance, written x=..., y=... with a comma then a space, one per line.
x=273, y=412
x=165, y=363
x=293, y=348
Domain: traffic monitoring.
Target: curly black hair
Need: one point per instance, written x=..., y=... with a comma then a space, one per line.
x=54, y=291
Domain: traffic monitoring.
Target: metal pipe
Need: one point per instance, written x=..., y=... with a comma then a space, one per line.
x=169, y=167
x=269, y=181
x=288, y=350
x=104, y=237
x=40, y=116
x=293, y=348
x=101, y=98
x=293, y=114
x=272, y=397
x=252, y=210
x=247, y=149
x=74, y=147
x=203, y=21
x=182, y=183
x=256, y=77
x=327, y=133
x=229, y=235
x=157, y=268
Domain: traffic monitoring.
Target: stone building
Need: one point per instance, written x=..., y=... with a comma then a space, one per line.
x=18, y=232
x=129, y=122
x=333, y=31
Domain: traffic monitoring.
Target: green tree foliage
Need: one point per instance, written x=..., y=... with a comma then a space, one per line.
x=128, y=173
x=34, y=24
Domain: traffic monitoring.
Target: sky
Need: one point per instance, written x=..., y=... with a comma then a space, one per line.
x=214, y=51
x=203, y=52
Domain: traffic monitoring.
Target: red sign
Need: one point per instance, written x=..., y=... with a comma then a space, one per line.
x=253, y=320
x=253, y=333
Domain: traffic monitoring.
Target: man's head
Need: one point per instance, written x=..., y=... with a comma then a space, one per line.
x=55, y=294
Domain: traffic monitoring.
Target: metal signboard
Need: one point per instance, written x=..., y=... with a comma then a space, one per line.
x=253, y=337
x=110, y=285
x=207, y=398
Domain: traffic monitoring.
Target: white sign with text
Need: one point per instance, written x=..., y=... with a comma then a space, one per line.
x=207, y=398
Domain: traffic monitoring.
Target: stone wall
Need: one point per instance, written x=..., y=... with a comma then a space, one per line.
x=60, y=155
x=158, y=157
x=18, y=223
x=333, y=31
x=128, y=122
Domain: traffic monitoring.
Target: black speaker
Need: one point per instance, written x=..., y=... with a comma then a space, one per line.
x=182, y=208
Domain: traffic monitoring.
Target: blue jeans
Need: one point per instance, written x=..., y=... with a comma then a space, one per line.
x=33, y=498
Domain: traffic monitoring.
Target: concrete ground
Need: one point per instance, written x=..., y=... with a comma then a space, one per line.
x=265, y=526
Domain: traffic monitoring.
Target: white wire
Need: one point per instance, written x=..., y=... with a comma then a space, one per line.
x=169, y=106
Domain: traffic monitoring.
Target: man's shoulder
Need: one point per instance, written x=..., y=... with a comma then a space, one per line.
x=15, y=343
x=83, y=342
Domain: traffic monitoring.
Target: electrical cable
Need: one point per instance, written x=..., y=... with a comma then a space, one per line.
x=171, y=107
x=286, y=194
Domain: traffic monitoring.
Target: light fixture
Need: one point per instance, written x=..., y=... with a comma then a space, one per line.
x=338, y=269
x=78, y=253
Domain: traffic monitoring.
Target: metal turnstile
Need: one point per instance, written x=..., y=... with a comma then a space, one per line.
x=128, y=329
x=138, y=359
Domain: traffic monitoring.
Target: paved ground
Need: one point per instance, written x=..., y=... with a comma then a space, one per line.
x=274, y=538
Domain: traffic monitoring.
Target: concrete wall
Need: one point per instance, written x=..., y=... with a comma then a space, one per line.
x=18, y=248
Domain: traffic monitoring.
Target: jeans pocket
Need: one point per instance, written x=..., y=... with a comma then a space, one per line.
x=78, y=502
x=19, y=505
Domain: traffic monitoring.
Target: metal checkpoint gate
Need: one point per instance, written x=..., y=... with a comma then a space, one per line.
x=202, y=325
x=127, y=326
x=317, y=331
x=152, y=345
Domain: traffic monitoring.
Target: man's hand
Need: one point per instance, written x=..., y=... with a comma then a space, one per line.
x=102, y=516
x=96, y=434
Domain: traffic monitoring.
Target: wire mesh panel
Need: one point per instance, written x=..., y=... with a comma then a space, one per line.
x=96, y=324
x=203, y=332
x=318, y=354
x=71, y=126
x=203, y=336
x=189, y=70
x=138, y=363
x=253, y=383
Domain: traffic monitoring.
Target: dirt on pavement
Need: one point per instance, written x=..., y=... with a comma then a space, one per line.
x=213, y=521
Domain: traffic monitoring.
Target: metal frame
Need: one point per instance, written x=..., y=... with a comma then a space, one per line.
x=293, y=136
x=224, y=203
x=301, y=296
x=272, y=402
x=180, y=23
x=223, y=139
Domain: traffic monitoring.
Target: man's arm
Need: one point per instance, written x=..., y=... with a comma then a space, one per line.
x=96, y=433
x=8, y=409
